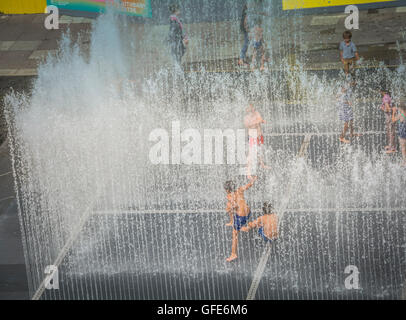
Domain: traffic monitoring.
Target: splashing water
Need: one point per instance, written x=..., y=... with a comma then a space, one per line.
x=120, y=227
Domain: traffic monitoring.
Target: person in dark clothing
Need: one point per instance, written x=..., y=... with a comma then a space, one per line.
x=245, y=31
x=178, y=39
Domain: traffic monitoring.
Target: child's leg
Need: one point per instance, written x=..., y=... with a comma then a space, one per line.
x=402, y=143
x=346, y=66
x=231, y=219
x=351, y=124
x=254, y=59
x=392, y=133
x=344, y=130
x=233, y=246
x=244, y=49
x=263, y=59
x=387, y=127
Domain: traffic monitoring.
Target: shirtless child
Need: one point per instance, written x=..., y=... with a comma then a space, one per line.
x=267, y=224
x=252, y=122
x=238, y=210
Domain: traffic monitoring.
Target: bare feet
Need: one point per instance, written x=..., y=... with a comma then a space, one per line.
x=355, y=135
x=389, y=151
x=387, y=147
x=229, y=224
x=231, y=258
x=262, y=68
x=242, y=63
x=343, y=140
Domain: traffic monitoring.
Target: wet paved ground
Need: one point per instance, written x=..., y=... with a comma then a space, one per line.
x=182, y=256
x=13, y=277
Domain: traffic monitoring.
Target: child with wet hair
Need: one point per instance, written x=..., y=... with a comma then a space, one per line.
x=399, y=114
x=267, y=224
x=238, y=211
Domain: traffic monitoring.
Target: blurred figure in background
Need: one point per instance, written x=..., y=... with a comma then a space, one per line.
x=386, y=107
x=177, y=38
x=244, y=28
x=399, y=114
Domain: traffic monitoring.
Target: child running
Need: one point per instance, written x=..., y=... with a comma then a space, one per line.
x=267, y=224
x=401, y=117
x=238, y=211
x=386, y=107
x=345, y=112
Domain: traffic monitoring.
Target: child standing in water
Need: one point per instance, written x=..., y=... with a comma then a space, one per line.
x=386, y=107
x=401, y=117
x=267, y=224
x=259, y=47
x=345, y=112
x=253, y=121
x=238, y=211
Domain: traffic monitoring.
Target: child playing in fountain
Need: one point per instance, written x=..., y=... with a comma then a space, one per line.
x=399, y=114
x=386, y=107
x=253, y=121
x=267, y=224
x=348, y=52
x=238, y=211
x=345, y=112
x=259, y=47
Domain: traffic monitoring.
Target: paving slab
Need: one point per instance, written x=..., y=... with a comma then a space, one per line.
x=6, y=45
x=25, y=45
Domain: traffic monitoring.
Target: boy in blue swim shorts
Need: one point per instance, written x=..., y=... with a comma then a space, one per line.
x=267, y=224
x=238, y=211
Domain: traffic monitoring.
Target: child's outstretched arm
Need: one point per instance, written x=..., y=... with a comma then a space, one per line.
x=248, y=185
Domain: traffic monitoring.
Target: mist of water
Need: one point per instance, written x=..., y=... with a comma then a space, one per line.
x=80, y=147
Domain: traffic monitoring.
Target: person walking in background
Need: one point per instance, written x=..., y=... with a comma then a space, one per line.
x=386, y=107
x=244, y=28
x=348, y=52
x=178, y=39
